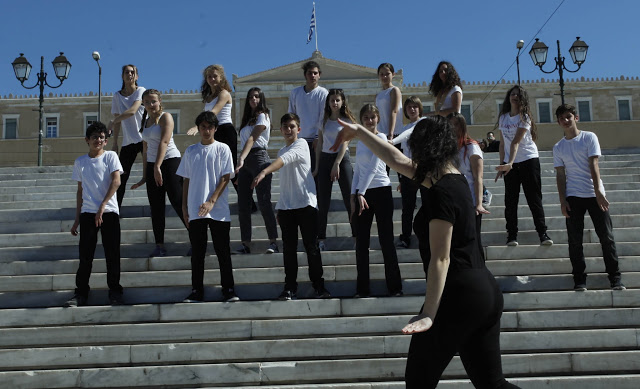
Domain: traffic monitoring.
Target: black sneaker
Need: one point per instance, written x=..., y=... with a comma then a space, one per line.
x=512, y=241
x=196, y=296
x=545, y=240
x=322, y=293
x=273, y=248
x=402, y=244
x=158, y=252
x=287, y=295
x=229, y=296
x=361, y=295
x=76, y=301
x=580, y=287
x=115, y=298
x=243, y=249
x=617, y=285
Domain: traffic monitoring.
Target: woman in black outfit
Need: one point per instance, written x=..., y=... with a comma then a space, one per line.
x=463, y=304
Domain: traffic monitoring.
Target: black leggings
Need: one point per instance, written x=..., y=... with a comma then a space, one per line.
x=226, y=133
x=171, y=186
x=127, y=157
x=468, y=323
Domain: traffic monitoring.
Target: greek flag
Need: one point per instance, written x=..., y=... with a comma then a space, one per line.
x=312, y=25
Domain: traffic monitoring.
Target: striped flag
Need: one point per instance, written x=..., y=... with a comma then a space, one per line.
x=312, y=25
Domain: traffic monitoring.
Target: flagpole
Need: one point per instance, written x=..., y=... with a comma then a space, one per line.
x=316, y=28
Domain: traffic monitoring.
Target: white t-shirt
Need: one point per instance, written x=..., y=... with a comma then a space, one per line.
x=465, y=164
x=383, y=102
x=204, y=166
x=447, y=103
x=527, y=148
x=310, y=108
x=330, y=133
x=95, y=176
x=574, y=155
x=130, y=127
x=224, y=116
x=152, y=136
x=297, y=188
x=263, y=140
x=370, y=171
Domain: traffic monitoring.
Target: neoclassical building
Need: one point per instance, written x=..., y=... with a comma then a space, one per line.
x=606, y=106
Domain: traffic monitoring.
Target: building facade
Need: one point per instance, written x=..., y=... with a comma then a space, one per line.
x=606, y=106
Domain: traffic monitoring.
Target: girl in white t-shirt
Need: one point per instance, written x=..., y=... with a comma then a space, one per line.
x=446, y=87
x=471, y=166
x=371, y=196
x=254, y=140
x=216, y=96
x=520, y=164
x=162, y=158
x=389, y=102
x=127, y=109
x=331, y=165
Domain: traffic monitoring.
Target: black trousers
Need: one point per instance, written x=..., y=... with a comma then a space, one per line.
x=604, y=229
x=127, y=157
x=468, y=323
x=110, y=230
x=172, y=187
x=527, y=174
x=325, y=185
x=226, y=133
x=306, y=219
x=221, y=245
x=409, y=192
x=381, y=205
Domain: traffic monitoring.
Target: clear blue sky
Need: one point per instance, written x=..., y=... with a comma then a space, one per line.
x=172, y=41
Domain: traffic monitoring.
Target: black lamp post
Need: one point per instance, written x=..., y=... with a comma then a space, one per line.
x=22, y=69
x=96, y=56
x=519, y=46
x=578, y=53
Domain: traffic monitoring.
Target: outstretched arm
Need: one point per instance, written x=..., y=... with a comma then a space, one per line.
x=275, y=166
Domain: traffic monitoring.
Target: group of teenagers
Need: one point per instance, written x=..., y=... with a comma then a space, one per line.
x=433, y=153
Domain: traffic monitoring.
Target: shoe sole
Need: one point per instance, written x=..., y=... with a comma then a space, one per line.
x=512, y=244
x=232, y=299
x=579, y=289
x=546, y=243
x=270, y=251
x=619, y=288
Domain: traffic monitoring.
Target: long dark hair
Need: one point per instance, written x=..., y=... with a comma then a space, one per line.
x=135, y=69
x=437, y=87
x=345, y=112
x=207, y=93
x=250, y=115
x=432, y=146
x=524, y=111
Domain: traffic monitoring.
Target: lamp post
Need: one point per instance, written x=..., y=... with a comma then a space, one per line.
x=578, y=53
x=22, y=69
x=96, y=56
x=519, y=46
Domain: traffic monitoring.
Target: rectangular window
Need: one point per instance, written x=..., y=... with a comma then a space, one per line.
x=544, y=110
x=51, y=127
x=584, y=108
x=427, y=108
x=176, y=120
x=466, y=110
x=88, y=119
x=10, y=126
x=624, y=108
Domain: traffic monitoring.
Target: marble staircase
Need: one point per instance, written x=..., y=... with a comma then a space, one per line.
x=552, y=337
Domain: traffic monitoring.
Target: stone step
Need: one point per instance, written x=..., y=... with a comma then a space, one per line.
x=292, y=328
x=307, y=372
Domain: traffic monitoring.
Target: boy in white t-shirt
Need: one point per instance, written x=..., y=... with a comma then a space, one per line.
x=98, y=176
x=207, y=168
x=297, y=208
x=575, y=158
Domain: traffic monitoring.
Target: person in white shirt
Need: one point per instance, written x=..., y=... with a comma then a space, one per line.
x=296, y=208
x=331, y=165
x=575, y=158
x=162, y=158
x=413, y=111
x=446, y=87
x=254, y=137
x=308, y=102
x=472, y=167
x=520, y=164
x=127, y=109
x=389, y=102
x=207, y=168
x=371, y=196
x=98, y=176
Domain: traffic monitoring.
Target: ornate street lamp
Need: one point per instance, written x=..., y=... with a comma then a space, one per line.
x=22, y=69
x=96, y=56
x=578, y=53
